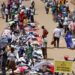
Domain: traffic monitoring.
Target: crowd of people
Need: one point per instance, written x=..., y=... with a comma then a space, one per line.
x=65, y=20
x=22, y=49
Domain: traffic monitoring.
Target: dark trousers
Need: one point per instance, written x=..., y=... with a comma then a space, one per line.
x=56, y=42
x=17, y=22
x=44, y=51
x=12, y=17
x=32, y=18
x=65, y=28
x=9, y=40
x=3, y=71
x=3, y=68
x=47, y=10
x=6, y=17
x=9, y=15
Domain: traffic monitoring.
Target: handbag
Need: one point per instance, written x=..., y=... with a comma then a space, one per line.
x=52, y=42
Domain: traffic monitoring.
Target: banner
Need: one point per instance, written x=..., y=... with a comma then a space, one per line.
x=63, y=66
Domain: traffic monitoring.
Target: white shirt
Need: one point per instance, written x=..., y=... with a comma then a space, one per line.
x=65, y=21
x=16, y=17
x=11, y=56
x=57, y=32
x=32, y=11
x=6, y=11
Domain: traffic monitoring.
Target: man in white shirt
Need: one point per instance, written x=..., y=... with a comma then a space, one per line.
x=6, y=13
x=56, y=36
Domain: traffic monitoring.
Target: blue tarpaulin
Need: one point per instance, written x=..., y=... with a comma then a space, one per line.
x=68, y=39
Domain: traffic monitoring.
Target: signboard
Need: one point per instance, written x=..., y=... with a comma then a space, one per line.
x=63, y=66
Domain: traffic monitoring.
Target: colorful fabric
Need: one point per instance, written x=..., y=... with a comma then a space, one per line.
x=68, y=39
x=29, y=52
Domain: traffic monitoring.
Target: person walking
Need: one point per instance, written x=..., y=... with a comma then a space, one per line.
x=44, y=42
x=2, y=13
x=44, y=48
x=33, y=6
x=65, y=24
x=3, y=6
x=13, y=14
x=32, y=15
x=4, y=60
x=47, y=7
x=45, y=32
x=11, y=60
x=9, y=11
x=6, y=13
x=56, y=36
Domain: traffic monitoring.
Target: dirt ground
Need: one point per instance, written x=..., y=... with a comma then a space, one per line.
x=47, y=21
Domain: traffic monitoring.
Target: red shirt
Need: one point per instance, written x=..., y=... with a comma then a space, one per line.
x=51, y=68
x=45, y=33
x=21, y=16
